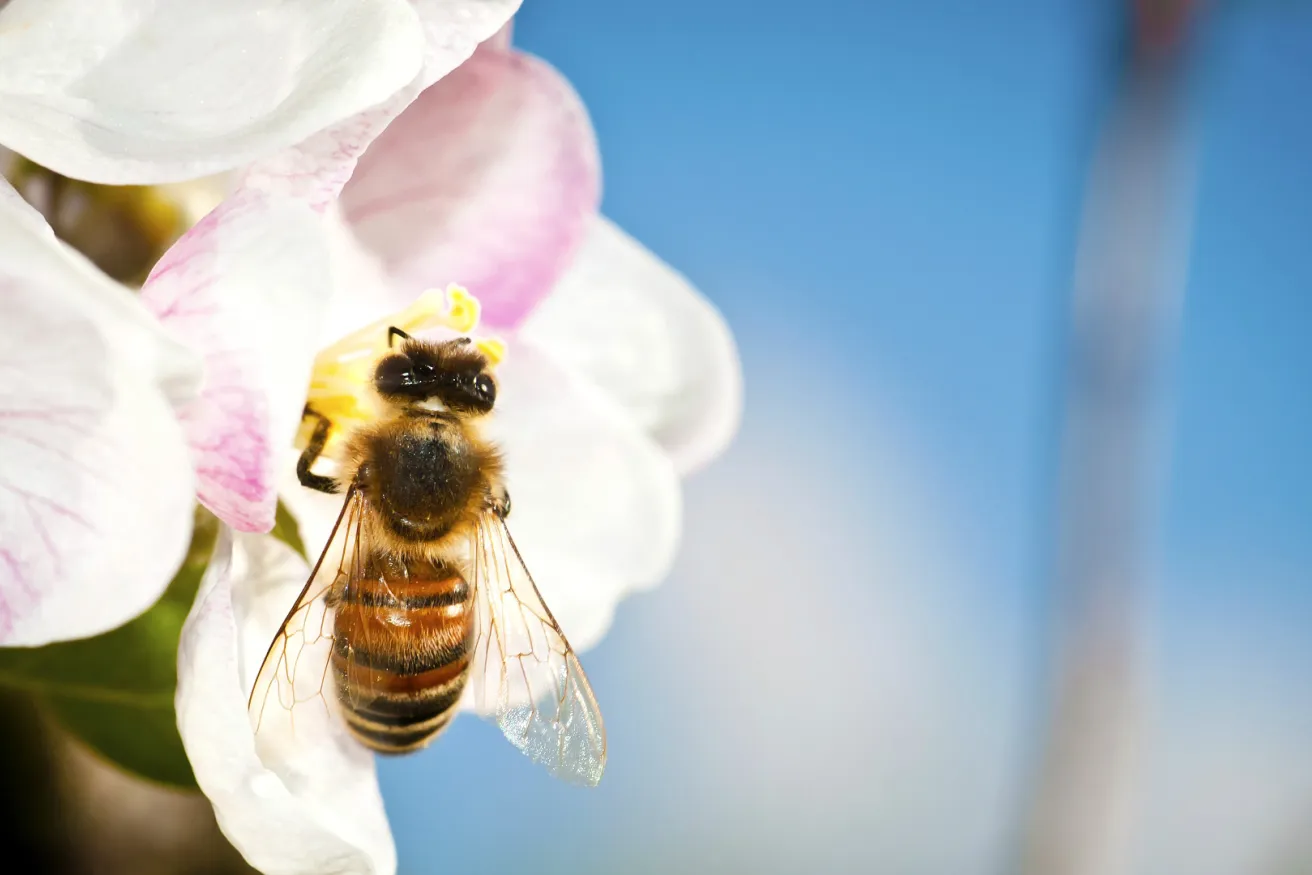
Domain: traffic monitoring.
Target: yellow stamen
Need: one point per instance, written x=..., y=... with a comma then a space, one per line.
x=340, y=382
x=464, y=309
x=493, y=348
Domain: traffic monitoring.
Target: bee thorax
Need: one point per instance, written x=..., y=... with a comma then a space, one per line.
x=421, y=476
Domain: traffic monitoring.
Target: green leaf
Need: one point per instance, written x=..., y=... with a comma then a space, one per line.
x=143, y=740
x=115, y=691
x=286, y=530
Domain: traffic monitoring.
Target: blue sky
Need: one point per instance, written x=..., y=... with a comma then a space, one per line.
x=881, y=198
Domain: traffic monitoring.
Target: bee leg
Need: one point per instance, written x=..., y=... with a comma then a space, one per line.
x=314, y=449
x=499, y=501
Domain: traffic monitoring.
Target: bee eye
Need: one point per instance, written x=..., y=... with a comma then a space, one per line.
x=424, y=370
x=485, y=388
x=393, y=374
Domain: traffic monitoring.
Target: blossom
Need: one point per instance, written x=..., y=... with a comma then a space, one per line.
x=96, y=487
x=94, y=506
x=244, y=412
x=617, y=378
x=133, y=91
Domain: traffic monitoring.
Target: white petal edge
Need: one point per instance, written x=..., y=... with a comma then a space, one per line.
x=642, y=333
x=247, y=287
x=96, y=488
x=316, y=169
x=314, y=810
x=134, y=91
x=502, y=39
x=449, y=28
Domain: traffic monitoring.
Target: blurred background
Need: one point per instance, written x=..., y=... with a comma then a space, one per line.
x=1009, y=568
x=863, y=661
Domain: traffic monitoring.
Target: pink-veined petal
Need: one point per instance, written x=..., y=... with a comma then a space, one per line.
x=120, y=91
x=639, y=330
x=303, y=807
x=247, y=288
x=316, y=169
x=96, y=486
x=488, y=179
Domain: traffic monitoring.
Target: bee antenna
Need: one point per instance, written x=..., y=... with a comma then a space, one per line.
x=393, y=332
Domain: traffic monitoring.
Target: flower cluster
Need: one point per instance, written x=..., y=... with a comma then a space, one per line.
x=350, y=156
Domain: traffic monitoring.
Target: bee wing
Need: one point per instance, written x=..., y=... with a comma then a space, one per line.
x=294, y=682
x=524, y=673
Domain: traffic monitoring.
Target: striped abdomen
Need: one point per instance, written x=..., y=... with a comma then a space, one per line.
x=402, y=636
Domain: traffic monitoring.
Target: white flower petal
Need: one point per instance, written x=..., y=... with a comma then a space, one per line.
x=450, y=26
x=639, y=330
x=316, y=169
x=362, y=292
x=595, y=503
x=246, y=287
x=96, y=487
x=315, y=809
x=122, y=91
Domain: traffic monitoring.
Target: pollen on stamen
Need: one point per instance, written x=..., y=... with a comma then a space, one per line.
x=339, y=382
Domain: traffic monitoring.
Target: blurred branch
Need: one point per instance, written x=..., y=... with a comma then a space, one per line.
x=34, y=828
x=1125, y=303
x=71, y=813
x=118, y=824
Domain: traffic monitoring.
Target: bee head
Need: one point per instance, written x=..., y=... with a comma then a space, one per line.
x=452, y=375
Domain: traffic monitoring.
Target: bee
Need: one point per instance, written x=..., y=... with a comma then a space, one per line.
x=421, y=596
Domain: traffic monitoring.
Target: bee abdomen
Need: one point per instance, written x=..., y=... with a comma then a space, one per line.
x=401, y=657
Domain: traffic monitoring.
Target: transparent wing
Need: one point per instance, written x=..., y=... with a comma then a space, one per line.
x=524, y=673
x=295, y=683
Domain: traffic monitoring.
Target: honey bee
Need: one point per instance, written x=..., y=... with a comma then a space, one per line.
x=420, y=596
